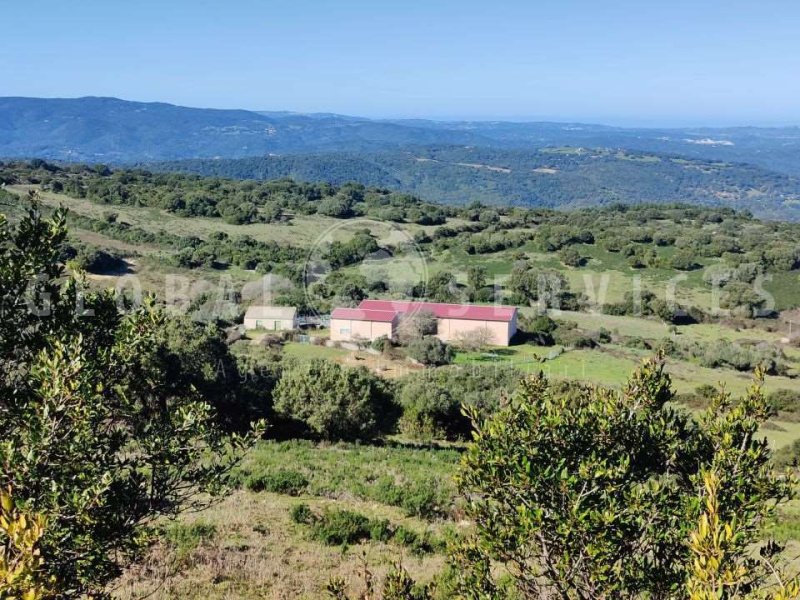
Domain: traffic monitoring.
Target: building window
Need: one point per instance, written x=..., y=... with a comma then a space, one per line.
x=344, y=330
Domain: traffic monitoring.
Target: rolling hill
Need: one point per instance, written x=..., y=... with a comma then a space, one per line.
x=523, y=163
x=552, y=177
x=119, y=131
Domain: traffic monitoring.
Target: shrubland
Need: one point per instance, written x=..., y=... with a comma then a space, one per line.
x=621, y=491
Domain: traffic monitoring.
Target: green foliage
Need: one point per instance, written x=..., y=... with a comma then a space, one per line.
x=595, y=494
x=731, y=355
x=417, y=480
x=96, y=438
x=430, y=351
x=571, y=257
x=95, y=260
x=22, y=573
x=186, y=537
x=537, y=330
x=382, y=344
x=397, y=585
x=331, y=401
x=282, y=481
x=335, y=526
x=530, y=284
x=301, y=514
x=432, y=401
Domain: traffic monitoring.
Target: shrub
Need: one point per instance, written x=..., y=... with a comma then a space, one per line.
x=571, y=257
x=419, y=544
x=301, y=513
x=423, y=500
x=683, y=261
x=427, y=499
x=331, y=401
x=335, y=527
x=184, y=538
x=431, y=401
x=95, y=260
x=380, y=530
x=784, y=401
x=382, y=344
x=430, y=351
x=538, y=330
x=282, y=481
x=574, y=338
x=617, y=456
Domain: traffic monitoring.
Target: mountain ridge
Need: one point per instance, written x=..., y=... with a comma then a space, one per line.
x=107, y=129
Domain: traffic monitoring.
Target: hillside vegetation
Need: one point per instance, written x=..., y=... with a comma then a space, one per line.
x=367, y=475
x=563, y=177
x=119, y=131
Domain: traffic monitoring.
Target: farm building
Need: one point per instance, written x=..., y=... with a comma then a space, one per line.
x=375, y=318
x=349, y=324
x=271, y=318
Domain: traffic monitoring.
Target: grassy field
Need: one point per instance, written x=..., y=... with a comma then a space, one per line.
x=301, y=231
x=606, y=277
x=248, y=546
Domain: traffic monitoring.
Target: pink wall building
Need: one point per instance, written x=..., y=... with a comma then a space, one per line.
x=376, y=318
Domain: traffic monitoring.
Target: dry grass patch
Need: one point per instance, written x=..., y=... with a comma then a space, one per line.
x=258, y=552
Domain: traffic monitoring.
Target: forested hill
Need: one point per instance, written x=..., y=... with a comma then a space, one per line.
x=549, y=177
x=117, y=131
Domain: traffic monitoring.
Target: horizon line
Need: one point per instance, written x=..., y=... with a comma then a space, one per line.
x=654, y=123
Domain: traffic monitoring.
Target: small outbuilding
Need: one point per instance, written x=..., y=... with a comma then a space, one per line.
x=271, y=318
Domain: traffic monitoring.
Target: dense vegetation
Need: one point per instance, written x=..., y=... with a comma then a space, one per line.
x=716, y=248
x=104, y=429
x=552, y=177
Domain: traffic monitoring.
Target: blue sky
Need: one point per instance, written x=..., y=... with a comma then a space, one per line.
x=633, y=63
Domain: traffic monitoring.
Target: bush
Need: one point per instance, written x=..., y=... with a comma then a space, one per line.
x=382, y=344
x=423, y=500
x=788, y=456
x=335, y=527
x=380, y=530
x=430, y=351
x=333, y=402
x=95, y=260
x=784, y=401
x=616, y=455
x=282, y=481
x=538, y=330
x=573, y=338
x=301, y=513
x=571, y=257
x=184, y=538
x=431, y=401
x=427, y=499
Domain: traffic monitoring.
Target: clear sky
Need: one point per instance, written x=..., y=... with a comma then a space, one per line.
x=648, y=62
